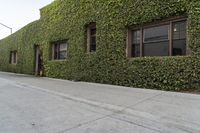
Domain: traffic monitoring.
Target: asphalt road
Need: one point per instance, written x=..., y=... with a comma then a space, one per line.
x=41, y=105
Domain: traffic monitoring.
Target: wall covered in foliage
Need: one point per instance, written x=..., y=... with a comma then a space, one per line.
x=66, y=20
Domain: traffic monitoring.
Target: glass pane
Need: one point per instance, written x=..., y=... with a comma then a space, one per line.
x=15, y=57
x=155, y=34
x=182, y=25
x=156, y=49
x=183, y=35
x=55, y=51
x=135, y=52
x=63, y=46
x=93, y=32
x=179, y=30
x=92, y=48
x=176, y=35
x=136, y=37
x=62, y=55
x=93, y=40
x=179, y=47
x=55, y=55
x=179, y=38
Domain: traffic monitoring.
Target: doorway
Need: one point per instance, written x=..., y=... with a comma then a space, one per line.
x=38, y=61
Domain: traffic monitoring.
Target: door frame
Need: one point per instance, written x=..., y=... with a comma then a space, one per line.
x=38, y=66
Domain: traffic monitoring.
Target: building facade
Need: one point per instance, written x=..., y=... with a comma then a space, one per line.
x=138, y=43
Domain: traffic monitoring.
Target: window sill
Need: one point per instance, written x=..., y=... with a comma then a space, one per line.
x=156, y=57
x=14, y=64
x=91, y=53
x=59, y=60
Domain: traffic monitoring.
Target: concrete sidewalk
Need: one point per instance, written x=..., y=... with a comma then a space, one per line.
x=41, y=105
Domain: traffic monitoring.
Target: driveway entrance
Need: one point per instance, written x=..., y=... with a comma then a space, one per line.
x=41, y=105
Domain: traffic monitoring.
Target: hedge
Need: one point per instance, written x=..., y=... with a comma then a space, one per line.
x=66, y=20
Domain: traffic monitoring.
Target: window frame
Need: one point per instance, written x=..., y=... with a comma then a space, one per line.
x=55, y=49
x=141, y=28
x=13, y=57
x=91, y=26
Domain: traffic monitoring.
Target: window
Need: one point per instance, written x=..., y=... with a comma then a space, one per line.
x=59, y=51
x=91, y=37
x=164, y=39
x=179, y=38
x=156, y=41
x=136, y=44
x=13, y=57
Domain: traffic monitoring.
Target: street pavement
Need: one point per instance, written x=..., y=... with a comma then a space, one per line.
x=31, y=104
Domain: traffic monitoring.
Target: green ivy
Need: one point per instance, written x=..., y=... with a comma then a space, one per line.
x=66, y=20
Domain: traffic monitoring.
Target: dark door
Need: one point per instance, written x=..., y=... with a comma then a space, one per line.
x=38, y=61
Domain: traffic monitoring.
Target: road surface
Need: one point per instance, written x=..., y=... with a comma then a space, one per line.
x=41, y=105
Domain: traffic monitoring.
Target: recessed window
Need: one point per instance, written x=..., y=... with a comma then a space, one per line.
x=179, y=38
x=156, y=41
x=164, y=39
x=59, y=51
x=91, y=37
x=136, y=43
x=13, y=57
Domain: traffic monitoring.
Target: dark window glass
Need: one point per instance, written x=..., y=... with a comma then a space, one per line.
x=156, y=34
x=156, y=41
x=60, y=51
x=93, y=32
x=56, y=51
x=136, y=44
x=63, y=47
x=63, y=51
x=156, y=48
x=93, y=39
x=62, y=55
x=92, y=48
x=13, y=57
x=179, y=38
x=179, y=47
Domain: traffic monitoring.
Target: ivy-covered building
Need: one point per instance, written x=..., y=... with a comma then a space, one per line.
x=138, y=43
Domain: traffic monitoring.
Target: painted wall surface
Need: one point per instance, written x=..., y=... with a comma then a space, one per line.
x=67, y=20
